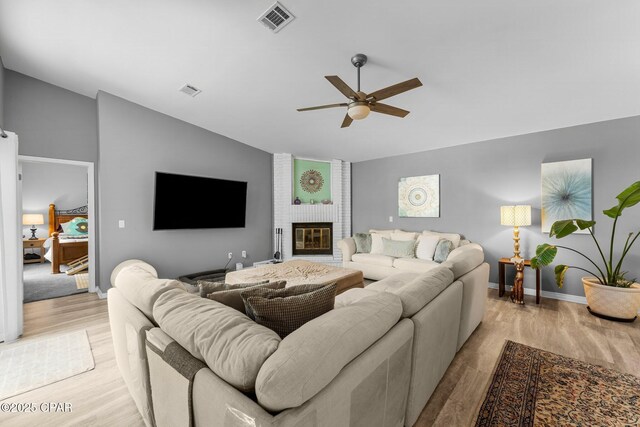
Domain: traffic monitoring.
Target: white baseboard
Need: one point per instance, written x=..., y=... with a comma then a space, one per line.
x=546, y=294
x=101, y=295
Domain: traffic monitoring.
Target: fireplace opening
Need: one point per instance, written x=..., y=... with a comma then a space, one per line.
x=312, y=238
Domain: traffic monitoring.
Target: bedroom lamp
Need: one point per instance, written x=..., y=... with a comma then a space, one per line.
x=33, y=220
x=515, y=216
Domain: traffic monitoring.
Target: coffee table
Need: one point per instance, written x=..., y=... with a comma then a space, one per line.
x=300, y=272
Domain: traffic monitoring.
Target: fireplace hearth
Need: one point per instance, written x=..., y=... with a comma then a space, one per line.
x=312, y=238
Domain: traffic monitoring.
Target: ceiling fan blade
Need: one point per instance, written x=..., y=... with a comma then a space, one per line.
x=321, y=107
x=342, y=87
x=388, y=109
x=390, y=91
x=347, y=121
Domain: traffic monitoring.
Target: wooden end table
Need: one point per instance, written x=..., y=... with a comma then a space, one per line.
x=501, y=273
x=34, y=244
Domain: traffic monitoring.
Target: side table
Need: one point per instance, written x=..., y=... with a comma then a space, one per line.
x=34, y=244
x=501, y=273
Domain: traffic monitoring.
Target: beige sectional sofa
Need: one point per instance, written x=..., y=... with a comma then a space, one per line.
x=377, y=266
x=373, y=360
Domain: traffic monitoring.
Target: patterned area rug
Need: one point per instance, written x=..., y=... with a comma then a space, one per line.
x=531, y=387
x=38, y=362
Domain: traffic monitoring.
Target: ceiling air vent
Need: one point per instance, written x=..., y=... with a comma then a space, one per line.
x=276, y=17
x=190, y=90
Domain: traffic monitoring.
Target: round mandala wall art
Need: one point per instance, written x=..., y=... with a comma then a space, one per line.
x=311, y=181
x=419, y=196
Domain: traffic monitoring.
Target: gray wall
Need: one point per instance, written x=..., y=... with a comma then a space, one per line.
x=45, y=183
x=134, y=143
x=50, y=121
x=476, y=179
x=2, y=73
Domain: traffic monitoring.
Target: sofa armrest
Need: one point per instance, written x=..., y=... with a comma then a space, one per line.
x=348, y=248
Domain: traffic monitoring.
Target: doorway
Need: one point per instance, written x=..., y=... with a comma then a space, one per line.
x=58, y=215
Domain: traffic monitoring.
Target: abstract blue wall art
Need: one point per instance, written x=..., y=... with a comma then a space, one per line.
x=567, y=192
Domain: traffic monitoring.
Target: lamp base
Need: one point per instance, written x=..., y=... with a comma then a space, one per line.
x=33, y=234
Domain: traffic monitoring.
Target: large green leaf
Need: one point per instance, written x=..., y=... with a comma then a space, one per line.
x=629, y=197
x=545, y=254
x=563, y=228
x=583, y=224
x=560, y=270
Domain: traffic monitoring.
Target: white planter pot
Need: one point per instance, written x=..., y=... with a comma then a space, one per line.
x=620, y=303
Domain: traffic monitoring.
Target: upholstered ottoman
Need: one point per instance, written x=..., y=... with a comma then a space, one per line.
x=299, y=272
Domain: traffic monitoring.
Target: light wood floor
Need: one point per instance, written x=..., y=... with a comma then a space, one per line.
x=100, y=397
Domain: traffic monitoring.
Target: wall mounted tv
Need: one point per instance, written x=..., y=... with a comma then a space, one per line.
x=195, y=202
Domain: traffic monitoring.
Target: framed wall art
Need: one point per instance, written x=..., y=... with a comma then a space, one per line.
x=419, y=196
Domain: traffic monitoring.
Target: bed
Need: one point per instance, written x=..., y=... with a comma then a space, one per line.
x=62, y=250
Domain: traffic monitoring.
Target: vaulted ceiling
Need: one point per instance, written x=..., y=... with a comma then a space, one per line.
x=490, y=68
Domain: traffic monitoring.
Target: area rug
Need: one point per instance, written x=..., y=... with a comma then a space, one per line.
x=82, y=280
x=38, y=362
x=531, y=387
x=40, y=284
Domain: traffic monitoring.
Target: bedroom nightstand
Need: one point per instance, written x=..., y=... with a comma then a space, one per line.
x=34, y=244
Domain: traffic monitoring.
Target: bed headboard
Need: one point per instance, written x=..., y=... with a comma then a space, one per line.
x=58, y=217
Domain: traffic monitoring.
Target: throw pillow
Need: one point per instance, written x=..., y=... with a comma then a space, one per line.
x=426, y=246
x=233, y=297
x=363, y=242
x=376, y=243
x=76, y=227
x=403, y=235
x=399, y=248
x=285, y=310
x=207, y=287
x=453, y=237
x=442, y=250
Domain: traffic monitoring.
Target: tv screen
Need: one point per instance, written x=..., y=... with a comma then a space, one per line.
x=185, y=202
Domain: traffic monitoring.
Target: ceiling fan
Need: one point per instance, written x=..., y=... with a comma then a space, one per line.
x=360, y=103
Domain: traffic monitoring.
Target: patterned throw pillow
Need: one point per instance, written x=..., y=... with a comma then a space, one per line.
x=363, y=242
x=285, y=310
x=76, y=227
x=233, y=297
x=399, y=248
x=207, y=287
x=442, y=250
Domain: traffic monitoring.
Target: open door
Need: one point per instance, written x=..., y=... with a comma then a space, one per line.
x=10, y=241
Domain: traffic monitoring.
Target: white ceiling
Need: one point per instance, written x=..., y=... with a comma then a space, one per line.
x=490, y=68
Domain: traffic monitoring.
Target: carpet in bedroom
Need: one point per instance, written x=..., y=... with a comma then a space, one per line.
x=40, y=284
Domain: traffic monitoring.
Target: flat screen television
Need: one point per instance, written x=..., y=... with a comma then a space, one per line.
x=196, y=202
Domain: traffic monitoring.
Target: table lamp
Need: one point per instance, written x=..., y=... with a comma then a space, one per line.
x=515, y=216
x=33, y=220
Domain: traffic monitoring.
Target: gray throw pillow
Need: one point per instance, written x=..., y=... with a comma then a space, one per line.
x=233, y=297
x=442, y=250
x=285, y=310
x=207, y=287
x=363, y=242
x=399, y=248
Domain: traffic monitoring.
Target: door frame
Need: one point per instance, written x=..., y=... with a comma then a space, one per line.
x=90, y=205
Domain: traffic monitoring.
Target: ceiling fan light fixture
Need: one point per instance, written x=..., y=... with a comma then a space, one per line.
x=358, y=110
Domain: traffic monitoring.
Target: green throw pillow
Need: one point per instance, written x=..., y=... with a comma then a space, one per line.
x=399, y=248
x=77, y=227
x=442, y=250
x=363, y=242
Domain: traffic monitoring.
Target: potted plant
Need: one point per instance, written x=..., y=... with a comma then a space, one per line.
x=609, y=294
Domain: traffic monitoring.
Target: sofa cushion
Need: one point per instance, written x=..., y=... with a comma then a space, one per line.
x=399, y=248
x=232, y=345
x=233, y=297
x=464, y=259
x=415, y=291
x=128, y=263
x=312, y=356
x=363, y=242
x=414, y=265
x=377, y=259
x=426, y=246
x=443, y=250
x=207, y=287
x=453, y=237
x=404, y=235
x=141, y=287
x=386, y=233
x=351, y=296
x=285, y=310
x=376, y=242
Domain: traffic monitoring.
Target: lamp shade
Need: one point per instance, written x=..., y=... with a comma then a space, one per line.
x=515, y=216
x=32, y=219
x=358, y=110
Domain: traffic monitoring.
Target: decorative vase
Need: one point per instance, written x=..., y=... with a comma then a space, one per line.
x=297, y=201
x=610, y=302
